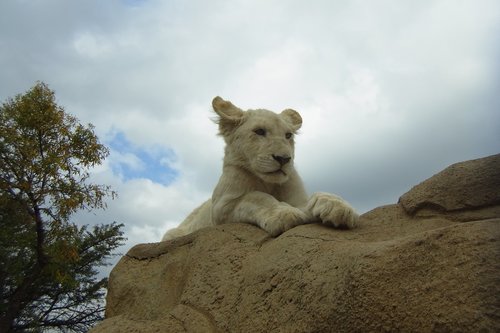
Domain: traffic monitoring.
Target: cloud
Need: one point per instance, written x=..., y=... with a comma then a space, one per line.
x=143, y=204
x=390, y=91
x=134, y=162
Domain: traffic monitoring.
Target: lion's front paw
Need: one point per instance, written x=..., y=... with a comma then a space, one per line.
x=331, y=209
x=282, y=218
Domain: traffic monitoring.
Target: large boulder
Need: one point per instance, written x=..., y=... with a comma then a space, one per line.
x=462, y=192
x=428, y=263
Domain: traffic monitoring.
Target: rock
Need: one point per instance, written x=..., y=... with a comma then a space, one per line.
x=461, y=191
x=399, y=271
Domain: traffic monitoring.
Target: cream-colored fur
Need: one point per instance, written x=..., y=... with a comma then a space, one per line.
x=259, y=184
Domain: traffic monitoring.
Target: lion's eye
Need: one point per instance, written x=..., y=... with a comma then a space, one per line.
x=288, y=135
x=260, y=131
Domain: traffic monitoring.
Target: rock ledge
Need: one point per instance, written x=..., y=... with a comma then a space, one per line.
x=428, y=263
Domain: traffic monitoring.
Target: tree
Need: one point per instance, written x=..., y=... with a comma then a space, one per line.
x=48, y=264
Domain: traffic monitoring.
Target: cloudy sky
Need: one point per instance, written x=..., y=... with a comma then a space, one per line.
x=391, y=91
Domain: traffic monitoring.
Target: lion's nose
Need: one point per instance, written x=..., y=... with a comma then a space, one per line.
x=282, y=160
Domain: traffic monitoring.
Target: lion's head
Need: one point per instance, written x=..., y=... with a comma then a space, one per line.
x=260, y=141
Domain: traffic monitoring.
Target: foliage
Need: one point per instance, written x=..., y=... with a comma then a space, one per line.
x=48, y=264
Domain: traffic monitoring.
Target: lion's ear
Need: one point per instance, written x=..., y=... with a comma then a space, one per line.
x=230, y=116
x=293, y=118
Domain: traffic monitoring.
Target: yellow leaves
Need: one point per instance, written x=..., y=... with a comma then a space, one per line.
x=66, y=252
x=45, y=156
x=62, y=274
x=63, y=253
x=45, y=153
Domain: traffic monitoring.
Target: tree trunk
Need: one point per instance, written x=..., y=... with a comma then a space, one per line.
x=27, y=289
x=19, y=298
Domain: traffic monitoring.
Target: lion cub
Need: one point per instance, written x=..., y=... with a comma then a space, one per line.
x=259, y=184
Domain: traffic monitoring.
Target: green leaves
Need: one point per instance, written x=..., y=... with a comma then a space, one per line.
x=48, y=265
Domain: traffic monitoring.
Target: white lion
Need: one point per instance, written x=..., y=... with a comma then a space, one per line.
x=259, y=184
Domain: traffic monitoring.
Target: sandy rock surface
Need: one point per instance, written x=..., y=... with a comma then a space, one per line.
x=427, y=264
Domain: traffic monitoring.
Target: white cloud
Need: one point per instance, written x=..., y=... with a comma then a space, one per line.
x=92, y=46
x=146, y=208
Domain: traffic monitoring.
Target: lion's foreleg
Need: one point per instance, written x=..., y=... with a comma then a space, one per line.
x=265, y=211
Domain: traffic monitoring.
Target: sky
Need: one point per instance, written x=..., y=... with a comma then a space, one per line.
x=390, y=91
